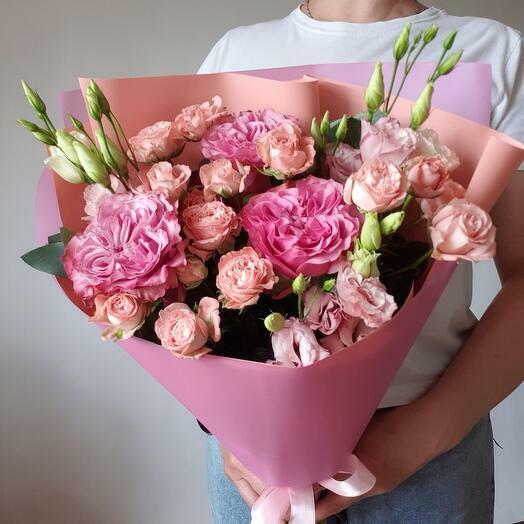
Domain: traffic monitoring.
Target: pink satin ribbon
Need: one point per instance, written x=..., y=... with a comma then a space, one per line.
x=274, y=503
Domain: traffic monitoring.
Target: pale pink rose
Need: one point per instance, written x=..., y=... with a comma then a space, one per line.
x=301, y=227
x=285, y=150
x=94, y=194
x=132, y=245
x=450, y=190
x=156, y=143
x=364, y=298
x=209, y=311
x=428, y=145
x=221, y=177
x=462, y=230
x=387, y=140
x=192, y=274
x=350, y=331
x=171, y=180
x=343, y=163
x=236, y=140
x=193, y=121
x=377, y=186
x=427, y=176
x=210, y=226
x=242, y=276
x=193, y=197
x=322, y=311
x=295, y=345
x=122, y=313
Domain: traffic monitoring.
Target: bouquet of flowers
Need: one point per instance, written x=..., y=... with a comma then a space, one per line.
x=292, y=240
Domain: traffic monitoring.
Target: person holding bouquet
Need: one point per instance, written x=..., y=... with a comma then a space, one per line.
x=430, y=444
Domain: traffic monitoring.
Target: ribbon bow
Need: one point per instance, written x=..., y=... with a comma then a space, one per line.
x=274, y=503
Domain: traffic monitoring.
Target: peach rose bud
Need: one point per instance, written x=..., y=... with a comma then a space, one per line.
x=171, y=180
x=192, y=274
x=427, y=176
x=221, y=177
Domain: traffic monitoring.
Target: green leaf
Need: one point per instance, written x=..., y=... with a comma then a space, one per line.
x=47, y=258
x=353, y=133
x=53, y=239
x=66, y=235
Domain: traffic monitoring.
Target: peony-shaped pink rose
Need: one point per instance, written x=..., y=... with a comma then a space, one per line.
x=387, y=140
x=221, y=177
x=322, y=311
x=210, y=226
x=462, y=230
x=193, y=121
x=343, y=163
x=301, y=227
x=236, y=140
x=295, y=345
x=122, y=313
x=156, y=143
x=428, y=145
x=132, y=245
x=450, y=190
x=192, y=274
x=242, y=276
x=364, y=298
x=286, y=151
x=186, y=333
x=377, y=186
x=171, y=180
x=427, y=176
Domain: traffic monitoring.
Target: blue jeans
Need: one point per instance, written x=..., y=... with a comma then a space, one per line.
x=455, y=488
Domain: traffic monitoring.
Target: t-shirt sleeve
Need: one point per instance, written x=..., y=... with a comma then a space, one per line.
x=213, y=62
x=508, y=103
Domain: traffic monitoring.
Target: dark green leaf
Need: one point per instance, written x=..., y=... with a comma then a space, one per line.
x=53, y=239
x=47, y=258
x=353, y=134
x=66, y=235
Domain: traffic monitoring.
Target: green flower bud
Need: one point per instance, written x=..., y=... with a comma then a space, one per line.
x=342, y=129
x=77, y=123
x=45, y=137
x=65, y=142
x=402, y=43
x=430, y=33
x=112, y=152
x=102, y=100
x=422, y=107
x=324, y=124
x=417, y=39
x=449, y=64
x=370, y=237
x=33, y=98
x=274, y=322
x=391, y=223
x=329, y=284
x=300, y=284
x=30, y=126
x=364, y=262
x=93, y=166
x=315, y=132
x=450, y=40
x=375, y=91
x=93, y=106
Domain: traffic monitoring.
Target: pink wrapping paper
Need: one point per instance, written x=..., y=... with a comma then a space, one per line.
x=291, y=427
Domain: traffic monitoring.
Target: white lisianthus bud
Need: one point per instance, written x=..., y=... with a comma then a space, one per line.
x=63, y=167
x=274, y=322
x=364, y=262
x=391, y=223
x=112, y=152
x=449, y=64
x=422, y=107
x=370, y=237
x=375, y=91
x=65, y=142
x=402, y=43
x=300, y=284
x=92, y=165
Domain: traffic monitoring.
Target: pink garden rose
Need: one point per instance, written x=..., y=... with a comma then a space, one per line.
x=193, y=197
x=387, y=140
x=242, y=276
x=285, y=150
x=428, y=145
x=94, y=194
x=462, y=230
x=301, y=227
x=210, y=227
x=171, y=180
x=186, y=333
x=450, y=190
x=122, y=313
x=427, y=176
x=295, y=345
x=364, y=298
x=350, y=331
x=322, y=311
x=192, y=274
x=343, y=163
x=156, y=143
x=377, y=186
x=236, y=140
x=221, y=177
x=132, y=245
x=193, y=121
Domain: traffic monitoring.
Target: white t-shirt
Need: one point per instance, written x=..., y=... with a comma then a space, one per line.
x=298, y=40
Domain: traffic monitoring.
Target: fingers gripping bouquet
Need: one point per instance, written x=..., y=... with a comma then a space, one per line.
x=298, y=245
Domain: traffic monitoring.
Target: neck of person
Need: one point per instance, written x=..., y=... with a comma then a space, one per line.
x=362, y=11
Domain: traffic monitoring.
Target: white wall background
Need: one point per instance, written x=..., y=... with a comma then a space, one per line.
x=86, y=437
